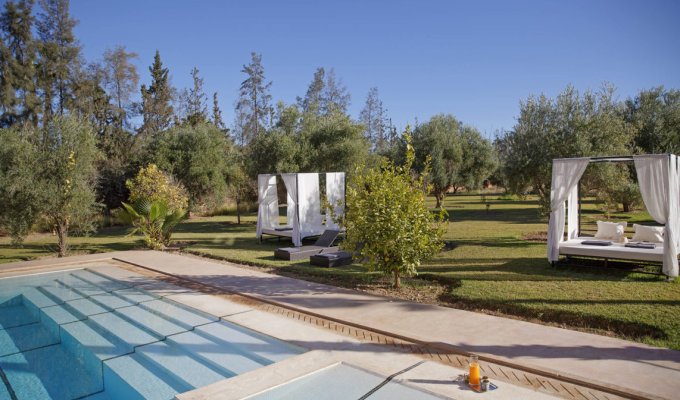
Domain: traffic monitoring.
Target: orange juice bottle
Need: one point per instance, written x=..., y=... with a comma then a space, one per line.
x=474, y=371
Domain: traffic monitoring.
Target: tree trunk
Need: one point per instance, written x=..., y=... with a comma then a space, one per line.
x=238, y=209
x=62, y=235
x=626, y=207
x=397, y=280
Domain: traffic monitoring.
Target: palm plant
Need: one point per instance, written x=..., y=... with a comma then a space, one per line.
x=153, y=219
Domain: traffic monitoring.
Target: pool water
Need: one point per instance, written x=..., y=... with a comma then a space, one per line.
x=81, y=334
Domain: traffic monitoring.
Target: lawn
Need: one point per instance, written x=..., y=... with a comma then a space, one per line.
x=494, y=263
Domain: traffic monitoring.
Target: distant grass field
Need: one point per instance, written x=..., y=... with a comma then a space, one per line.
x=493, y=264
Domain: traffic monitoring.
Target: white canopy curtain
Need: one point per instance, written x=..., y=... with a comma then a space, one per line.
x=290, y=180
x=335, y=194
x=659, y=181
x=268, y=210
x=566, y=174
x=309, y=205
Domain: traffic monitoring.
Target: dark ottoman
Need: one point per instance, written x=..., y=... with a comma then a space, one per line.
x=331, y=259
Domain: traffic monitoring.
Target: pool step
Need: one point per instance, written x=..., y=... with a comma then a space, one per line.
x=178, y=314
x=54, y=374
x=181, y=364
x=234, y=353
x=17, y=315
x=132, y=377
x=25, y=337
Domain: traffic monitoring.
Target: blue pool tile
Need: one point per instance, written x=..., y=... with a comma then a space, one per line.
x=111, y=301
x=106, y=284
x=261, y=348
x=27, y=337
x=179, y=315
x=135, y=295
x=150, y=321
x=179, y=363
x=85, y=288
x=13, y=316
x=50, y=373
x=37, y=298
x=82, y=338
x=84, y=308
x=59, y=293
x=132, y=378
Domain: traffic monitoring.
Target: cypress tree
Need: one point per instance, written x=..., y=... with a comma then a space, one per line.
x=217, y=113
x=157, y=108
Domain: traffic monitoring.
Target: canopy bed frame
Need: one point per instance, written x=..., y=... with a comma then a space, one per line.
x=659, y=181
x=303, y=214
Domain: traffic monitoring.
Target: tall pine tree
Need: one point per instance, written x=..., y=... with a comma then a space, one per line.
x=374, y=120
x=196, y=109
x=18, y=96
x=121, y=79
x=253, y=108
x=157, y=111
x=59, y=56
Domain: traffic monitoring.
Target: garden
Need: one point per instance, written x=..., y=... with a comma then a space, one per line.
x=494, y=261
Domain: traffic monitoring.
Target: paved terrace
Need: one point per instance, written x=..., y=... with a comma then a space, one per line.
x=626, y=368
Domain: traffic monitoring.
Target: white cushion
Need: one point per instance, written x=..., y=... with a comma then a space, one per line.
x=645, y=233
x=611, y=230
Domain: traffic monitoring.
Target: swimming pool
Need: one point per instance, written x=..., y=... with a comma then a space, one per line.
x=81, y=334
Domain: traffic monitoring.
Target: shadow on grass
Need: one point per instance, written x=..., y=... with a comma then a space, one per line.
x=507, y=215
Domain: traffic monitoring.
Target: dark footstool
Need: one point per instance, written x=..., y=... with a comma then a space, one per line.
x=331, y=259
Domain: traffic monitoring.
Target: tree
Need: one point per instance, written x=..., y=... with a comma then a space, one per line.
x=53, y=177
x=196, y=109
x=655, y=114
x=121, y=79
x=336, y=98
x=20, y=202
x=437, y=143
x=569, y=126
x=217, y=114
x=314, y=97
x=157, y=109
x=333, y=143
x=478, y=162
x=374, y=120
x=387, y=221
x=153, y=185
x=196, y=156
x=253, y=107
x=59, y=55
x=18, y=94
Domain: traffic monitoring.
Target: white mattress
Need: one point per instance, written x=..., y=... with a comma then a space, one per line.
x=274, y=232
x=617, y=251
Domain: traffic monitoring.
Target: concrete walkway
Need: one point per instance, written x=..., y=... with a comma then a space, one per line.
x=642, y=371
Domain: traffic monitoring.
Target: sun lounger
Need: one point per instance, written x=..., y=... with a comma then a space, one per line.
x=324, y=244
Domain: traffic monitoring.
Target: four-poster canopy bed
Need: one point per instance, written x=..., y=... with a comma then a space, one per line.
x=659, y=180
x=303, y=215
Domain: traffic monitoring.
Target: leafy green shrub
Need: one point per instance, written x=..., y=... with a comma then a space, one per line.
x=387, y=221
x=153, y=185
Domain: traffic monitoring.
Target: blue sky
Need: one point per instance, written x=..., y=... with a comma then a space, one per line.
x=473, y=59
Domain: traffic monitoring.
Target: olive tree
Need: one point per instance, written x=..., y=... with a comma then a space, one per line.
x=52, y=175
x=572, y=125
x=387, y=221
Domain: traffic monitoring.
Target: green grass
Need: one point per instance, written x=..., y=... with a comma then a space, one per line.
x=490, y=267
